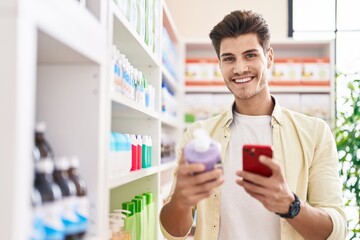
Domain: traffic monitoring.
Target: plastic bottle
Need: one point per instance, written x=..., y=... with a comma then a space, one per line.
x=83, y=205
x=139, y=151
x=143, y=216
x=130, y=219
x=151, y=215
x=68, y=190
x=139, y=205
x=125, y=161
x=41, y=142
x=203, y=149
x=118, y=232
x=50, y=196
x=144, y=152
x=134, y=144
x=38, y=229
x=113, y=154
x=149, y=151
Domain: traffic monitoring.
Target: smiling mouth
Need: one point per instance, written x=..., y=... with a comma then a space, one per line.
x=242, y=80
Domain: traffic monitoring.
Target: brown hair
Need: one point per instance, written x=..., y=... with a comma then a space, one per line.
x=241, y=22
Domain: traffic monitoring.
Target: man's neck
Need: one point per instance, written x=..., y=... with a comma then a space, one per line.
x=260, y=104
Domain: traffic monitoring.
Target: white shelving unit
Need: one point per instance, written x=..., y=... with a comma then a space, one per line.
x=56, y=61
x=130, y=117
x=197, y=48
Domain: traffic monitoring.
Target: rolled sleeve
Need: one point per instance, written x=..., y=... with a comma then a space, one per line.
x=338, y=218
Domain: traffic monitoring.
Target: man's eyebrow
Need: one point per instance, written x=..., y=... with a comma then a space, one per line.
x=247, y=51
x=250, y=51
x=226, y=54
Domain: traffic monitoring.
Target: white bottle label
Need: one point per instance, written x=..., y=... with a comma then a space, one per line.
x=51, y=213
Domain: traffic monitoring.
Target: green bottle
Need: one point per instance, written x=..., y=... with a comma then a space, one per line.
x=151, y=216
x=130, y=219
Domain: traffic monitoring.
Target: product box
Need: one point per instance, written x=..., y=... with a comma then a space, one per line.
x=141, y=23
x=286, y=70
x=316, y=70
x=203, y=70
x=149, y=18
x=133, y=14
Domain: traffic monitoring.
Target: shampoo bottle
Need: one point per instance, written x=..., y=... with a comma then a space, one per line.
x=203, y=149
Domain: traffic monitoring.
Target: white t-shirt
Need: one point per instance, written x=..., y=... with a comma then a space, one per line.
x=242, y=216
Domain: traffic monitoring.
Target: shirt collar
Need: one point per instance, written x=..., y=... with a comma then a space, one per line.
x=276, y=116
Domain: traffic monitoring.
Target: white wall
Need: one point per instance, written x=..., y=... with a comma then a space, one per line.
x=195, y=18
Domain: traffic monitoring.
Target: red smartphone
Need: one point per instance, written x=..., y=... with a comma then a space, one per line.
x=251, y=161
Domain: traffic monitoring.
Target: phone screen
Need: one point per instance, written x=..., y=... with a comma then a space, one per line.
x=251, y=161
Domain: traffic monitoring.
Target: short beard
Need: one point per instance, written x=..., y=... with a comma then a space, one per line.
x=251, y=95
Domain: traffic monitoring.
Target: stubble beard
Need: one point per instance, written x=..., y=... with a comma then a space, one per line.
x=244, y=94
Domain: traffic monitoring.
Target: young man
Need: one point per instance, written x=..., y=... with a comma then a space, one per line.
x=301, y=200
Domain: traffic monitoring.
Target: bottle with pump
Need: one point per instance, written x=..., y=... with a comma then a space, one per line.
x=118, y=232
x=83, y=205
x=41, y=143
x=68, y=190
x=50, y=197
x=203, y=149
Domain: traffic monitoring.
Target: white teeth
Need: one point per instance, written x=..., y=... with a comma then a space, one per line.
x=242, y=80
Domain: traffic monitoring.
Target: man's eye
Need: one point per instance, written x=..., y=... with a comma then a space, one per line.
x=250, y=55
x=228, y=59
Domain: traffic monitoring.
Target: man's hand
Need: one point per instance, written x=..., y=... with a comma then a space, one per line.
x=193, y=184
x=272, y=192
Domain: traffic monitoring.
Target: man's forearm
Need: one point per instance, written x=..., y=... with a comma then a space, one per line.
x=312, y=223
x=176, y=221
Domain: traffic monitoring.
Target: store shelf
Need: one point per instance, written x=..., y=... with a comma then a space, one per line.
x=170, y=80
x=170, y=121
x=300, y=89
x=131, y=176
x=124, y=107
x=70, y=24
x=135, y=48
x=207, y=89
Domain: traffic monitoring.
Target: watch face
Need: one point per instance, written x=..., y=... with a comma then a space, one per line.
x=294, y=209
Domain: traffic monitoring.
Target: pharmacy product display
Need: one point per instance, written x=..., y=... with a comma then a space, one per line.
x=137, y=217
x=60, y=204
x=88, y=70
x=302, y=78
x=129, y=152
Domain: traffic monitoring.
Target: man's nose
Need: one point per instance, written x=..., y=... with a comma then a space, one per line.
x=240, y=67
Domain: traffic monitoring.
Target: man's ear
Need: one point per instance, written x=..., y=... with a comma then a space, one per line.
x=270, y=57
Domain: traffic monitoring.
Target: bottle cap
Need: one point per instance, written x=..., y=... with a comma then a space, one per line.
x=129, y=207
x=138, y=204
x=44, y=166
x=74, y=162
x=40, y=127
x=61, y=163
x=149, y=197
x=201, y=140
x=143, y=200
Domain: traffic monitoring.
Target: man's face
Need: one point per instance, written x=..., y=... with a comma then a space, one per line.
x=243, y=65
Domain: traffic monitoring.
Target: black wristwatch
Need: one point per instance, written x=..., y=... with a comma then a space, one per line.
x=294, y=209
